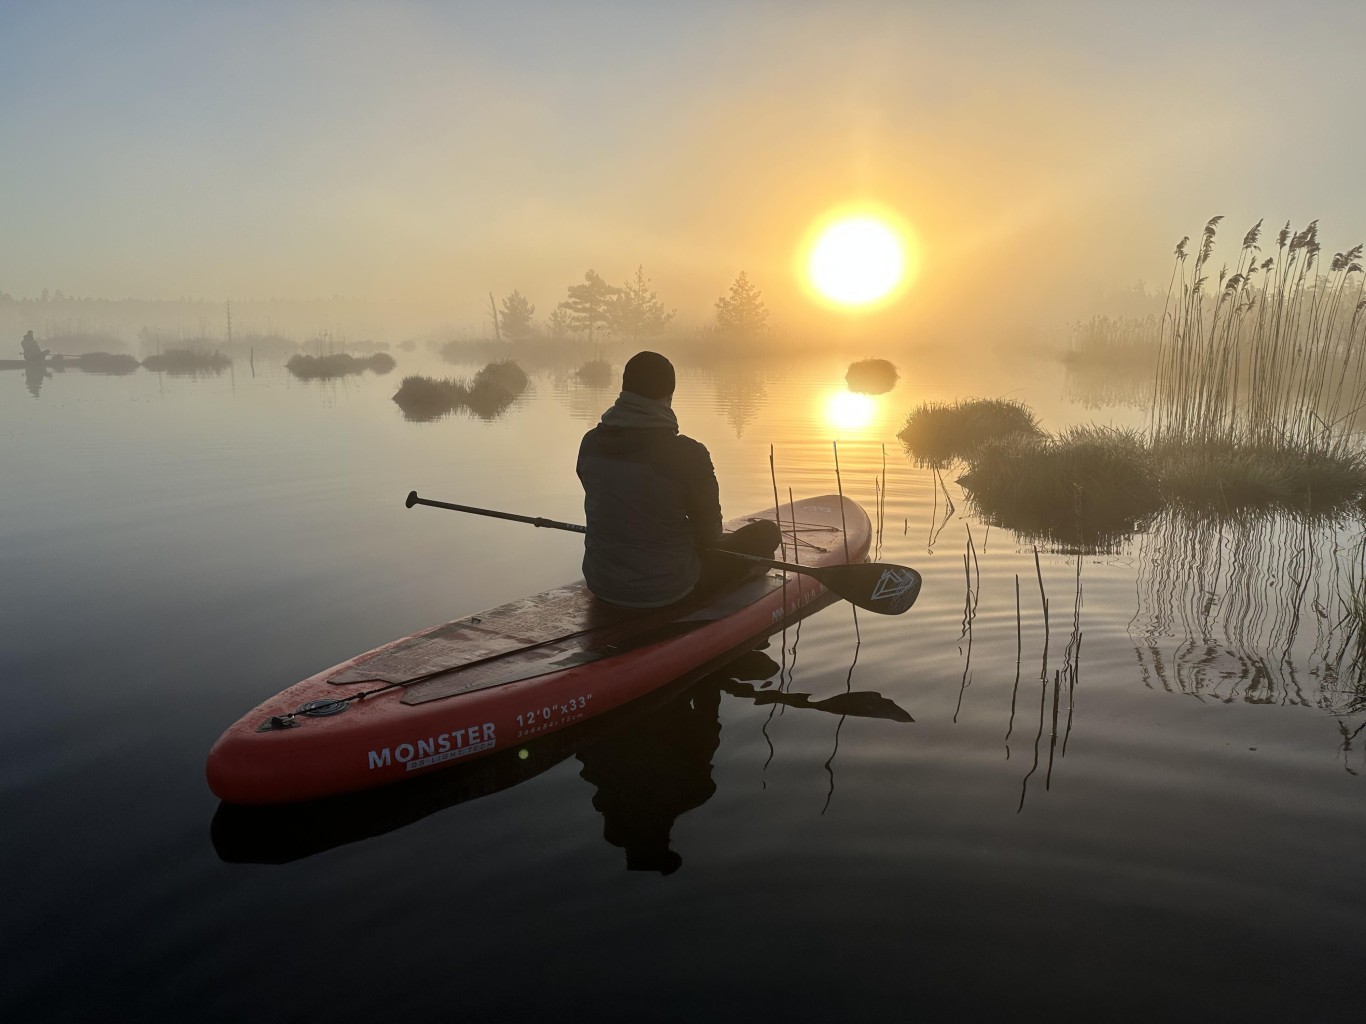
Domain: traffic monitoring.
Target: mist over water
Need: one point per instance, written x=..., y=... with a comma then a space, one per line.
x=289, y=263
x=197, y=543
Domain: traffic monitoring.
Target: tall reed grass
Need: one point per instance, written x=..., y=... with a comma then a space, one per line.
x=1272, y=355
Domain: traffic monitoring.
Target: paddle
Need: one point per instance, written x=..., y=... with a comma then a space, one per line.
x=875, y=586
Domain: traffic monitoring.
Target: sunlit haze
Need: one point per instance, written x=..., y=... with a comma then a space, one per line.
x=857, y=261
x=411, y=158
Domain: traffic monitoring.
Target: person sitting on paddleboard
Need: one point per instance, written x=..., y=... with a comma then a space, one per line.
x=651, y=500
x=32, y=353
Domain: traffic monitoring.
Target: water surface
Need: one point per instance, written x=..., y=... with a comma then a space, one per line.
x=1148, y=802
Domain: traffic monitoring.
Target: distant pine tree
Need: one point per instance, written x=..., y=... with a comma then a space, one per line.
x=589, y=304
x=743, y=313
x=516, y=316
x=636, y=312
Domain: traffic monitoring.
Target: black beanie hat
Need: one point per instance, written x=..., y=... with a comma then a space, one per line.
x=649, y=375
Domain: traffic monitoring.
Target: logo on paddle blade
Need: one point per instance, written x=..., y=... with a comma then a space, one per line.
x=897, y=588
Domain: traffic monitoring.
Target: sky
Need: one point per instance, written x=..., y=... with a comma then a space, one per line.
x=1046, y=156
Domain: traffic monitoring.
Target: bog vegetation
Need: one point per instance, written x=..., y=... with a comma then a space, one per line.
x=487, y=395
x=1258, y=386
x=340, y=364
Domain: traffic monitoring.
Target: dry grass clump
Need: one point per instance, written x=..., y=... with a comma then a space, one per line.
x=1090, y=486
x=505, y=374
x=488, y=395
x=596, y=373
x=110, y=363
x=306, y=367
x=871, y=376
x=1231, y=477
x=936, y=434
x=185, y=362
x=425, y=398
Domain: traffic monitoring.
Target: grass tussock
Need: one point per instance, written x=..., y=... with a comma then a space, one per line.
x=110, y=363
x=1088, y=487
x=341, y=364
x=490, y=393
x=184, y=361
x=1227, y=477
x=1095, y=486
x=596, y=373
x=871, y=376
x=936, y=434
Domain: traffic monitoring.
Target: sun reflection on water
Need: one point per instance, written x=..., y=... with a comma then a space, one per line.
x=845, y=410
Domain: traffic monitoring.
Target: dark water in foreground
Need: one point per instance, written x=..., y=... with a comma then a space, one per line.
x=1152, y=806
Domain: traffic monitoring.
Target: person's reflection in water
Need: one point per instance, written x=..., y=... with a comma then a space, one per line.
x=34, y=375
x=650, y=774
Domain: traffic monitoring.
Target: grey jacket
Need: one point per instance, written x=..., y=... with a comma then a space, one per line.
x=651, y=502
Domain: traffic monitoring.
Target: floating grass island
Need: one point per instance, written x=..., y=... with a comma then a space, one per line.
x=1094, y=485
x=111, y=363
x=488, y=395
x=306, y=367
x=871, y=377
x=184, y=361
x=596, y=373
x=937, y=433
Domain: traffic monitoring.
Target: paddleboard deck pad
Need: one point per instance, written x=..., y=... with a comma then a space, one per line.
x=493, y=680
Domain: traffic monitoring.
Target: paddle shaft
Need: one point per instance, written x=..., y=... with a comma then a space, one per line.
x=553, y=524
x=865, y=584
x=549, y=524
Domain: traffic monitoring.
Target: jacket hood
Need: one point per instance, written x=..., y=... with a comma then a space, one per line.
x=636, y=412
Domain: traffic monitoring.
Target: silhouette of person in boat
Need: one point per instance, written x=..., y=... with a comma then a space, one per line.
x=649, y=775
x=652, y=503
x=32, y=353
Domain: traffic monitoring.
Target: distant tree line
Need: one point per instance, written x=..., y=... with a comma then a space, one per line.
x=631, y=310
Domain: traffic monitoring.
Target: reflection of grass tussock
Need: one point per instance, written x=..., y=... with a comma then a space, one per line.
x=871, y=376
x=596, y=373
x=187, y=361
x=341, y=364
x=488, y=395
x=105, y=362
x=1090, y=486
x=936, y=433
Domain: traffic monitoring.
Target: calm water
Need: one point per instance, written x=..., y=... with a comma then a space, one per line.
x=1151, y=803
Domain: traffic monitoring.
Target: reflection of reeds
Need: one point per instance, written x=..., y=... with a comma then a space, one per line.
x=1259, y=608
x=936, y=434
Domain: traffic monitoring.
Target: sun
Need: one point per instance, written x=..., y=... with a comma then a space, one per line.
x=857, y=259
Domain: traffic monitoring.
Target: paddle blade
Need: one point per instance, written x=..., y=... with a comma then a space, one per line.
x=876, y=586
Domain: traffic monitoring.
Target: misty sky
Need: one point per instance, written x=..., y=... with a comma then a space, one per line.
x=421, y=155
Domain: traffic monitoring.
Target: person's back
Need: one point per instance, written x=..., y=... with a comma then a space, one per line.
x=650, y=495
x=32, y=353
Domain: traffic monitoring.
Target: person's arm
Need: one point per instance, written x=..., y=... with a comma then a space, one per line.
x=704, y=500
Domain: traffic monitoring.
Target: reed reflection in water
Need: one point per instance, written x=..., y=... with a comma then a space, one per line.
x=1259, y=607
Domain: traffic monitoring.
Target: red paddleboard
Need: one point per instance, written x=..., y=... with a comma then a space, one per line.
x=493, y=680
